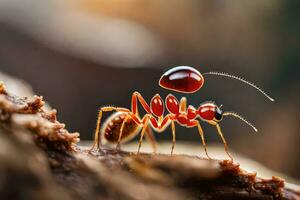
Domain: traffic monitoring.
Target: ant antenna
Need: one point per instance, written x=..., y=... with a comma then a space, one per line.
x=240, y=79
x=241, y=118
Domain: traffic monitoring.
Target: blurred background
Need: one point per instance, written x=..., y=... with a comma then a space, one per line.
x=81, y=55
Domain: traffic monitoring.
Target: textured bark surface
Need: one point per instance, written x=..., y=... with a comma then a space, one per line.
x=39, y=159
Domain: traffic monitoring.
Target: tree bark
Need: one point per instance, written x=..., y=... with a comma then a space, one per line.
x=40, y=159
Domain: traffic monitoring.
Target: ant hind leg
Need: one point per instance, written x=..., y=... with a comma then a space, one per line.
x=118, y=146
x=151, y=139
x=145, y=125
x=97, y=138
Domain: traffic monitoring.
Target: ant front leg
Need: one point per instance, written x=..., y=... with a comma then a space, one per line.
x=97, y=138
x=224, y=141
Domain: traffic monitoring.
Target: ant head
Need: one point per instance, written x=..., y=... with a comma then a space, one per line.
x=210, y=112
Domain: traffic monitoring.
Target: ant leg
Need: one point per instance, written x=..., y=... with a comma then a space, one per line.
x=224, y=141
x=164, y=123
x=136, y=96
x=201, y=133
x=151, y=138
x=182, y=104
x=173, y=136
x=121, y=132
x=194, y=123
x=97, y=139
x=145, y=125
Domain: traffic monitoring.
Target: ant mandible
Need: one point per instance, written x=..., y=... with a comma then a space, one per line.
x=126, y=123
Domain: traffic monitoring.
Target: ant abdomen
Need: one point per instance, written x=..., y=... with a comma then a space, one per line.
x=112, y=127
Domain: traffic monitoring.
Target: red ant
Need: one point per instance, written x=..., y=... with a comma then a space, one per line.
x=126, y=123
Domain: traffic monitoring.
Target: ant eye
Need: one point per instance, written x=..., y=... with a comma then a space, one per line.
x=218, y=114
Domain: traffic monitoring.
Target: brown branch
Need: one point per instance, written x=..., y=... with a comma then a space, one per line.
x=39, y=159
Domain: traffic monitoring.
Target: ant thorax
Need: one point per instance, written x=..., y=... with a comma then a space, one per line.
x=207, y=111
